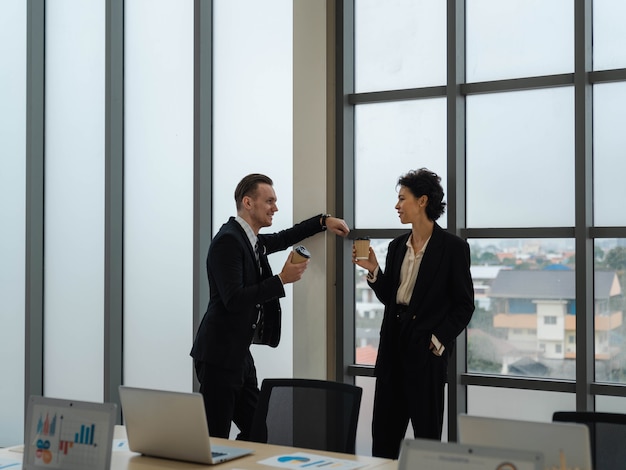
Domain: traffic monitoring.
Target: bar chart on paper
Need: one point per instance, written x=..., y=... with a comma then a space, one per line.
x=62, y=440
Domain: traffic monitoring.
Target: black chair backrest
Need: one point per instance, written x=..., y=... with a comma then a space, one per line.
x=314, y=414
x=607, y=432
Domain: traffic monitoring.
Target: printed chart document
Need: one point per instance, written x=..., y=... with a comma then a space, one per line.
x=303, y=460
x=67, y=434
x=10, y=464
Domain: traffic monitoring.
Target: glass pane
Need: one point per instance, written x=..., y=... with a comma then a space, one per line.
x=250, y=37
x=520, y=159
x=74, y=199
x=158, y=191
x=609, y=337
x=368, y=309
x=609, y=156
x=399, y=44
x=610, y=404
x=609, y=34
x=518, y=38
x=364, y=426
x=391, y=139
x=12, y=208
x=528, y=405
x=525, y=318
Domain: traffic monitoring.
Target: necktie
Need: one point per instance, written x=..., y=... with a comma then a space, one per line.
x=257, y=256
x=258, y=333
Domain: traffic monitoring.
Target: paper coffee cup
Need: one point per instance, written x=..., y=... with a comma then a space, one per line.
x=362, y=246
x=300, y=254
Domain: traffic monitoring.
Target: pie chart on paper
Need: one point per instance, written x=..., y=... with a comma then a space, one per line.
x=293, y=458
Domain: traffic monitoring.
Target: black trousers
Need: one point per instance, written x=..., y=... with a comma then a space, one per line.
x=408, y=392
x=229, y=396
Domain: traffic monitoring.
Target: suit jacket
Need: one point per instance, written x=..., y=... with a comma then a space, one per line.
x=442, y=302
x=238, y=291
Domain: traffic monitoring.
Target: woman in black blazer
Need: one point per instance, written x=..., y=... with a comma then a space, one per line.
x=428, y=294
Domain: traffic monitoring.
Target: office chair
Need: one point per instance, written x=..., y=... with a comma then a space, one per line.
x=314, y=414
x=607, y=432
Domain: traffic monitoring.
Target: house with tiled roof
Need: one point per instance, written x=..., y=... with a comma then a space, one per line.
x=537, y=311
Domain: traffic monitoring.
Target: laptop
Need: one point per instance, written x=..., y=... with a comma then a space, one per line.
x=564, y=445
x=68, y=434
x=171, y=425
x=435, y=455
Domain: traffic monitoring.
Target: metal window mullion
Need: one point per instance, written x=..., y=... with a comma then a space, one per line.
x=114, y=202
x=519, y=232
x=607, y=76
x=518, y=84
x=583, y=205
x=202, y=156
x=607, y=232
x=519, y=383
x=456, y=171
x=396, y=95
x=344, y=174
x=34, y=243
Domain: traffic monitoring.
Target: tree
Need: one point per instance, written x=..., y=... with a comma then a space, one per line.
x=598, y=253
x=616, y=258
x=482, y=320
x=509, y=261
x=488, y=258
x=482, y=357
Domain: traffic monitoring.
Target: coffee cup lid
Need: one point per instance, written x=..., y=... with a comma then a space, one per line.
x=302, y=251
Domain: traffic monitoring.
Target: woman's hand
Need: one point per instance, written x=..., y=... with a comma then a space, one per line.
x=371, y=263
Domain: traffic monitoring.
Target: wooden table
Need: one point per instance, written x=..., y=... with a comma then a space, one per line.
x=126, y=460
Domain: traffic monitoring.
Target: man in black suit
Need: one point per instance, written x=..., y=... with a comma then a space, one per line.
x=428, y=294
x=243, y=304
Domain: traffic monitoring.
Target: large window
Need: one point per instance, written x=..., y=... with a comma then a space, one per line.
x=74, y=199
x=525, y=317
x=399, y=44
x=158, y=195
x=520, y=159
x=518, y=38
x=522, y=122
x=402, y=133
x=12, y=208
x=609, y=153
x=255, y=76
x=109, y=185
x=609, y=304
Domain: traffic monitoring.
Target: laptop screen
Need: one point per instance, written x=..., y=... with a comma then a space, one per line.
x=172, y=425
x=564, y=445
x=68, y=434
x=434, y=455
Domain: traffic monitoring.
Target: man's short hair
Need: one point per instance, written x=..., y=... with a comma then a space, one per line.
x=248, y=186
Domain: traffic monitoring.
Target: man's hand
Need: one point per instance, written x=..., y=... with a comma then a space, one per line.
x=337, y=226
x=292, y=272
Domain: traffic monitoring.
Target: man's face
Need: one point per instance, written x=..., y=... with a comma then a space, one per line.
x=262, y=206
